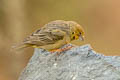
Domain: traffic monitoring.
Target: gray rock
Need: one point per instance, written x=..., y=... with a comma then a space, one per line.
x=78, y=63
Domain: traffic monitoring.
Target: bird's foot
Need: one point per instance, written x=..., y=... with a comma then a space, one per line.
x=56, y=50
x=59, y=51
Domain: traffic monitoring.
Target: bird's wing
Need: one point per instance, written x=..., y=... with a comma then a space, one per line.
x=44, y=37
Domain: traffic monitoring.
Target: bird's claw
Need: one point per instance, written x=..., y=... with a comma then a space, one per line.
x=59, y=51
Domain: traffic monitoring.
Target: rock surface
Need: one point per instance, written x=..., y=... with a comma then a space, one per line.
x=78, y=63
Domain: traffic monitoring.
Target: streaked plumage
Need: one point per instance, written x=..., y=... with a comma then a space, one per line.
x=54, y=35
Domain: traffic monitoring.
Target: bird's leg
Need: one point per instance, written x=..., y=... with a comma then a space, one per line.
x=62, y=49
x=55, y=50
x=66, y=48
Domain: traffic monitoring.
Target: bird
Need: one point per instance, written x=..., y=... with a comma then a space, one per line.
x=53, y=36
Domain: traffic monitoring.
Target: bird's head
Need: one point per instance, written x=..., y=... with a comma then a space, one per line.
x=76, y=31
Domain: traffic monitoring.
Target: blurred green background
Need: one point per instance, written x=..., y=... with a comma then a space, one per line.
x=19, y=18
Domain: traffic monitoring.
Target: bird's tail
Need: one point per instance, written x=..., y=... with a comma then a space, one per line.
x=20, y=46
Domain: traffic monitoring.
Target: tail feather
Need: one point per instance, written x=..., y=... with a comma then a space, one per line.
x=20, y=46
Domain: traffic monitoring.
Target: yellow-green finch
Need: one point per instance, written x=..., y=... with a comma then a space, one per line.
x=54, y=35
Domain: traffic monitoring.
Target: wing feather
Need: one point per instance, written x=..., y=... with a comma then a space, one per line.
x=44, y=37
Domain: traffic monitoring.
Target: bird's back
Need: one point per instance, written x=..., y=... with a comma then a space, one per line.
x=46, y=35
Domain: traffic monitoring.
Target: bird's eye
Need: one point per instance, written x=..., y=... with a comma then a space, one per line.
x=73, y=32
x=80, y=33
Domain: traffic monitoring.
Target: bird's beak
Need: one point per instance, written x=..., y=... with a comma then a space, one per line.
x=81, y=38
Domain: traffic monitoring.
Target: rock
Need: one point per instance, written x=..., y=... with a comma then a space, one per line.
x=78, y=63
